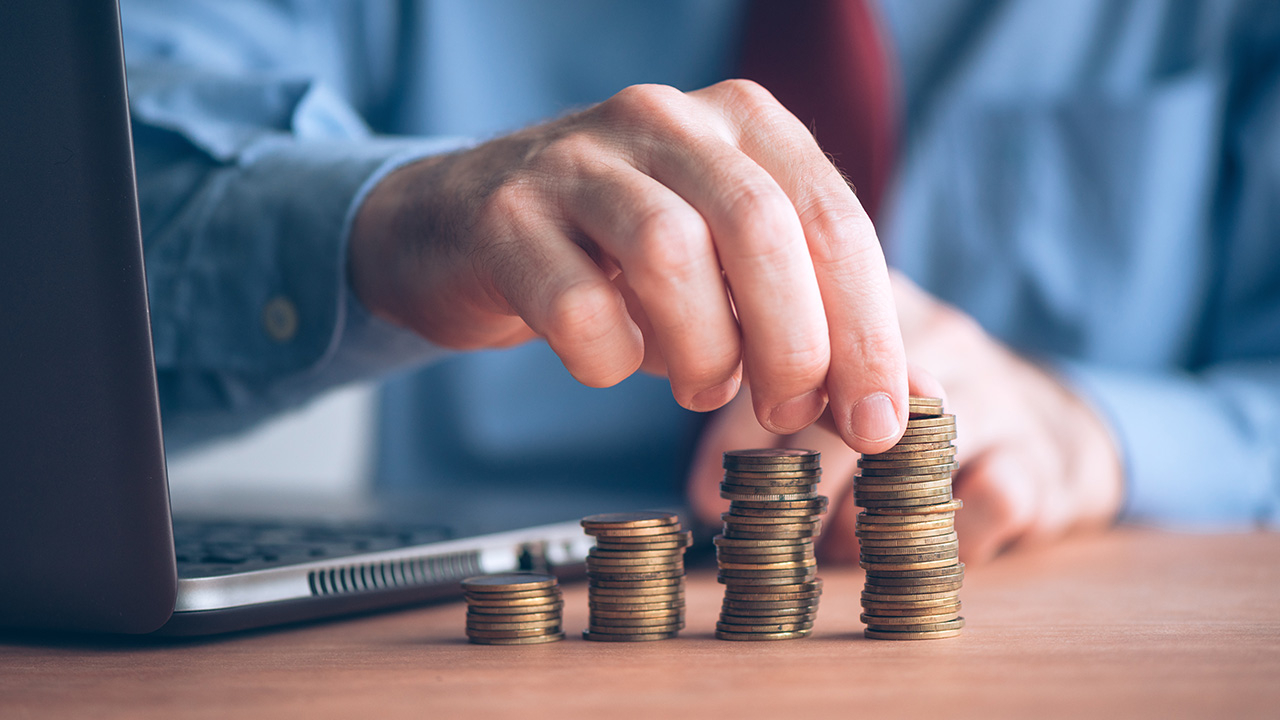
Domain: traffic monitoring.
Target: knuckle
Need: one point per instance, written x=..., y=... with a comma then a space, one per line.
x=568, y=153
x=764, y=207
x=806, y=363
x=840, y=234
x=747, y=94
x=670, y=243
x=642, y=101
x=582, y=314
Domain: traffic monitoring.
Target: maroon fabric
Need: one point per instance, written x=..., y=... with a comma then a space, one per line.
x=826, y=61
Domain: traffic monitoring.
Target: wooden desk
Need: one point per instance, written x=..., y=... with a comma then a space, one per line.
x=1132, y=624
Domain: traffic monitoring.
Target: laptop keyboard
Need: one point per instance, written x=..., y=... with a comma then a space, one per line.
x=219, y=547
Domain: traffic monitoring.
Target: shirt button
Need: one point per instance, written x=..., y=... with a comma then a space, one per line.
x=280, y=319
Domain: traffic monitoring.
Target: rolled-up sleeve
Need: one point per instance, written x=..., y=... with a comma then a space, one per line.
x=248, y=185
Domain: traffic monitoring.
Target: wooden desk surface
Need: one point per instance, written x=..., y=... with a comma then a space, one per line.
x=1131, y=624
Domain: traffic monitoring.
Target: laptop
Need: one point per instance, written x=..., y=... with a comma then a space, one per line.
x=87, y=541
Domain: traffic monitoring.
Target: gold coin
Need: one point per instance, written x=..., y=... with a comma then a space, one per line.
x=660, y=613
x=791, y=610
x=672, y=554
x=727, y=559
x=508, y=634
x=544, y=625
x=947, y=507
x=665, y=532
x=923, y=473
x=760, y=582
x=658, y=591
x=644, y=518
x=882, y=611
x=513, y=616
x=636, y=606
x=908, y=482
x=747, y=520
x=635, y=629
x=951, y=575
x=940, y=421
x=769, y=601
x=905, y=521
x=937, y=588
x=814, y=504
x=900, y=503
x=635, y=576
x=877, y=541
x=773, y=477
x=763, y=627
x=940, y=453
x=637, y=584
x=876, y=607
x=885, y=566
x=515, y=602
x=763, y=497
x=724, y=542
x=536, y=640
x=874, y=557
x=951, y=631
x=939, y=571
x=627, y=560
x=926, y=435
x=603, y=637
x=908, y=597
x=916, y=446
x=918, y=622
x=904, y=531
x=895, y=463
x=781, y=565
x=792, y=635
x=508, y=582
x=914, y=551
x=681, y=541
x=761, y=454
x=903, y=493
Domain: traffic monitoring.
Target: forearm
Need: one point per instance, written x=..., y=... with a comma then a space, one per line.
x=247, y=230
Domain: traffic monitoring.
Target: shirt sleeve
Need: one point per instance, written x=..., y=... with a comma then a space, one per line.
x=248, y=184
x=1201, y=450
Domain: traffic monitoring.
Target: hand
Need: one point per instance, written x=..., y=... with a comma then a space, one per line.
x=1035, y=461
x=701, y=235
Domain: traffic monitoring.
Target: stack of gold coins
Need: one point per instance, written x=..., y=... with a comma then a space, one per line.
x=907, y=531
x=635, y=576
x=513, y=609
x=765, y=554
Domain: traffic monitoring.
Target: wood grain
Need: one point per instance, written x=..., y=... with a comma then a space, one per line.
x=1131, y=624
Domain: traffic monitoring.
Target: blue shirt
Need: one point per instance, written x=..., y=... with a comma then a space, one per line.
x=1094, y=181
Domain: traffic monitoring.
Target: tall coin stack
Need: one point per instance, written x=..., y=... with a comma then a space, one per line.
x=765, y=554
x=635, y=576
x=907, y=531
x=513, y=609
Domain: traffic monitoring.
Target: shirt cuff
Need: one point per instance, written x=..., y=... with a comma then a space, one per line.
x=1189, y=461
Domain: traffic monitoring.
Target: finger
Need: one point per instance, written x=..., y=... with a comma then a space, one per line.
x=653, y=362
x=920, y=382
x=1001, y=501
x=761, y=248
x=665, y=251
x=867, y=380
x=565, y=297
x=732, y=427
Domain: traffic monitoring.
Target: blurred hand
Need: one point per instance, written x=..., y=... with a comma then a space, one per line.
x=1035, y=461
x=702, y=235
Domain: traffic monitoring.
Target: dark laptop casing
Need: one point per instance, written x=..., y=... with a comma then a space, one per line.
x=85, y=532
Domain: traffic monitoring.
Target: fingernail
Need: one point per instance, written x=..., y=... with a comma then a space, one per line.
x=715, y=397
x=797, y=413
x=874, y=418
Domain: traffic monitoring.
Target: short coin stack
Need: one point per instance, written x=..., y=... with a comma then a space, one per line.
x=513, y=609
x=635, y=576
x=907, y=531
x=765, y=555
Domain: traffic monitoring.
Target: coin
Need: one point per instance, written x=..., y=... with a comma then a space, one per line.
x=946, y=535
x=790, y=635
x=644, y=518
x=508, y=582
x=947, y=507
x=912, y=622
x=544, y=625
x=516, y=610
x=638, y=637
x=950, y=629
x=535, y=640
x=940, y=571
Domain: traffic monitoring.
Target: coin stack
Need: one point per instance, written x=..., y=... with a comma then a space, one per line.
x=907, y=531
x=513, y=609
x=765, y=554
x=635, y=576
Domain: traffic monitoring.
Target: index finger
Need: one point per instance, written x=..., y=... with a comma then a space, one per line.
x=867, y=378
